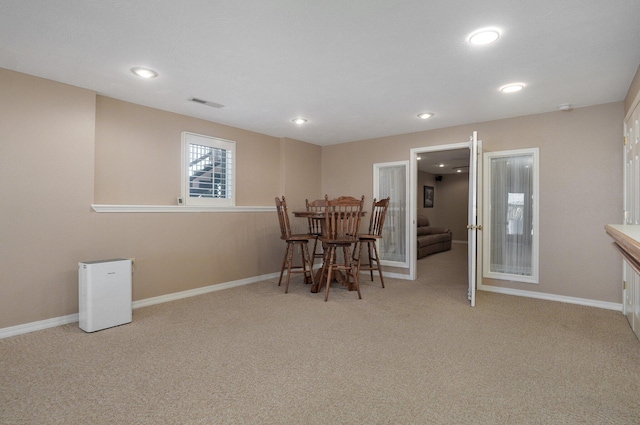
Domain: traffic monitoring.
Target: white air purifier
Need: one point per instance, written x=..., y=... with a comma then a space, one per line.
x=104, y=293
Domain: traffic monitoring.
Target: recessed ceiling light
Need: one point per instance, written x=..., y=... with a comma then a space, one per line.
x=441, y=165
x=512, y=88
x=144, y=72
x=484, y=36
x=425, y=115
x=299, y=120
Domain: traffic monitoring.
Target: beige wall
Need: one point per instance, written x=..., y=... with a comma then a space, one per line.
x=451, y=200
x=52, y=134
x=580, y=188
x=138, y=156
x=46, y=181
x=634, y=90
x=57, y=133
x=301, y=177
x=426, y=179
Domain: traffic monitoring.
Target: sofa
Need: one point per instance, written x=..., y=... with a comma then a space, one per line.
x=431, y=239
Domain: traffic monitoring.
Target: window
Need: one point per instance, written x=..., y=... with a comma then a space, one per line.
x=511, y=215
x=208, y=170
x=390, y=179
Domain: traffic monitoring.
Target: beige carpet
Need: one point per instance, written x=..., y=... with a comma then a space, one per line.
x=413, y=353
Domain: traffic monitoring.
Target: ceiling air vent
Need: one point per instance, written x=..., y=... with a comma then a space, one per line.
x=206, y=102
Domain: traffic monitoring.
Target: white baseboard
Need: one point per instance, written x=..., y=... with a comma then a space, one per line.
x=37, y=326
x=64, y=320
x=200, y=291
x=552, y=297
x=71, y=318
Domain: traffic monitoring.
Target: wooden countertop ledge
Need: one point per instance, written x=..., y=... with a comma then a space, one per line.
x=627, y=240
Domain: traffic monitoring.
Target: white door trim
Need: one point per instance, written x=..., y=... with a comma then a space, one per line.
x=413, y=198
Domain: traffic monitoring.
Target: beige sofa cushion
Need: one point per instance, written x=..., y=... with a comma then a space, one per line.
x=423, y=221
x=423, y=231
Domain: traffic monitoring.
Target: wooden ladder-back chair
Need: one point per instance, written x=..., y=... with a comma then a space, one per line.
x=315, y=225
x=292, y=240
x=342, y=220
x=378, y=214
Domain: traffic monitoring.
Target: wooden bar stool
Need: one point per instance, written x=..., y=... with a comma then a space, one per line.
x=292, y=240
x=378, y=214
x=342, y=220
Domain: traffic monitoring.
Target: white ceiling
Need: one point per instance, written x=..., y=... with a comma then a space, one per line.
x=354, y=69
x=445, y=162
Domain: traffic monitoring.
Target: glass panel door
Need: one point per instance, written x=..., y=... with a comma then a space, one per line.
x=473, y=217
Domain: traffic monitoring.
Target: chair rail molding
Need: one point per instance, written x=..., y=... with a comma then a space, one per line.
x=104, y=208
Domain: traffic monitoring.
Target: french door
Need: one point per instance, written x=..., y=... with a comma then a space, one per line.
x=631, y=295
x=474, y=225
x=474, y=210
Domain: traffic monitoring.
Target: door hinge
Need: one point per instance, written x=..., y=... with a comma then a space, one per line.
x=474, y=227
x=624, y=141
x=624, y=285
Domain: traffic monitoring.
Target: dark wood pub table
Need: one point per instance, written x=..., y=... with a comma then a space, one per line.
x=321, y=277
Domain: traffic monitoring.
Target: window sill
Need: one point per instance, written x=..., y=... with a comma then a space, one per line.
x=101, y=208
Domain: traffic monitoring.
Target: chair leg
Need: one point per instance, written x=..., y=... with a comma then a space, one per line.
x=359, y=259
x=304, y=261
x=284, y=263
x=351, y=268
x=325, y=266
x=289, y=263
x=331, y=256
x=355, y=250
x=309, y=261
x=375, y=250
x=354, y=271
x=315, y=246
x=370, y=259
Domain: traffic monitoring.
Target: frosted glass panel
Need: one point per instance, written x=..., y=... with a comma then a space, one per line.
x=392, y=182
x=512, y=215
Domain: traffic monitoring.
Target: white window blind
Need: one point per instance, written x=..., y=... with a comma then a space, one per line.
x=208, y=170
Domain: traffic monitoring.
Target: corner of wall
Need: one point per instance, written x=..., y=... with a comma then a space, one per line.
x=633, y=95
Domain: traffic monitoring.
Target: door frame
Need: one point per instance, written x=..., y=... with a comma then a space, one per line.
x=413, y=198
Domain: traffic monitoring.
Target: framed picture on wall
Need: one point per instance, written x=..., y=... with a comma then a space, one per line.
x=428, y=197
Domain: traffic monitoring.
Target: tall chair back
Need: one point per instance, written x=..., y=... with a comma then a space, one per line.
x=283, y=218
x=318, y=206
x=342, y=219
x=378, y=214
x=315, y=224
